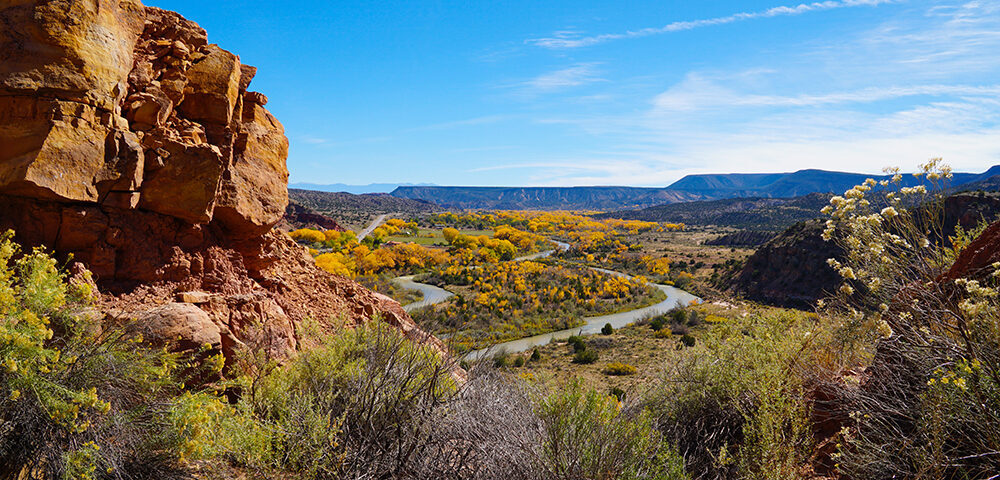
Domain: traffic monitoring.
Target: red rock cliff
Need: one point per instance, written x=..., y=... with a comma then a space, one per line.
x=130, y=142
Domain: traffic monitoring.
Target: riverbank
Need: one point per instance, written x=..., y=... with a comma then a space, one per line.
x=674, y=297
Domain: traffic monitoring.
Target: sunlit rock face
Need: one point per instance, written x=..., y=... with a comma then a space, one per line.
x=132, y=144
x=117, y=104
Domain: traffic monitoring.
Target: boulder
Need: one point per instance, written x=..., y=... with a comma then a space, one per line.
x=195, y=297
x=51, y=149
x=253, y=321
x=185, y=186
x=148, y=110
x=180, y=325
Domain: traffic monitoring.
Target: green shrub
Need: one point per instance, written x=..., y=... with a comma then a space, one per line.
x=588, y=436
x=358, y=405
x=618, y=368
x=607, y=329
x=617, y=393
x=535, y=355
x=501, y=360
x=688, y=340
x=734, y=405
x=657, y=323
x=585, y=357
x=694, y=318
x=578, y=343
x=519, y=362
x=678, y=315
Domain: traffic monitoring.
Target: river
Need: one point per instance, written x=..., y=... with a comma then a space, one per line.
x=675, y=297
x=432, y=294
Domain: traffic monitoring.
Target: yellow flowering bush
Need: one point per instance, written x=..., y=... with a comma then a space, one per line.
x=308, y=235
x=619, y=368
x=933, y=390
x=78, y=400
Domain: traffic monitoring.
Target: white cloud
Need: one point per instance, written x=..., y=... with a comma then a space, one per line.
x=941, y=44
x=576, y=75
x=921, y=84
x=697, y=93
x=573, y=39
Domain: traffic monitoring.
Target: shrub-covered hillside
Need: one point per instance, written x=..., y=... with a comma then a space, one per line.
x=773, y=214
x=355, y=211
x=904, y=359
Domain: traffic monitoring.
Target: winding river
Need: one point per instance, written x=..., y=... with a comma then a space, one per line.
x=432, y=294
x=592, y=325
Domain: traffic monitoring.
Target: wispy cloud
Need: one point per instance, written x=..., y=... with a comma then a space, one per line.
x=576, y=75
x=696, y=93
x=953, y=39
x=573, y=39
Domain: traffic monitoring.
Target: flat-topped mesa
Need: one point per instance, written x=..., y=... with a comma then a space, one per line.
x=130, y=142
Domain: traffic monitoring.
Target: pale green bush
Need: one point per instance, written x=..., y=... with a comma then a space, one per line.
x=588, y=435
x=735, y=404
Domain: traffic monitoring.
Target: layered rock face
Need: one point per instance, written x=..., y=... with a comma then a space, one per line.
x=115, y=104
x=131, y=143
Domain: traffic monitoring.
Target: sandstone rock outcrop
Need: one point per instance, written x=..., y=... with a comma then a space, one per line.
x=112, y=102
x=132, y=144
x=977, y=259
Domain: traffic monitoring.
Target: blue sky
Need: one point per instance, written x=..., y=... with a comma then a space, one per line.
x=582, y=92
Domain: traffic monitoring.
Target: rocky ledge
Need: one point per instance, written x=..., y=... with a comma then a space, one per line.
x=133, y=146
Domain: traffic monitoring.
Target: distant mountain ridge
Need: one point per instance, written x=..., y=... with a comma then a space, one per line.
x=795, y=184
x=544, y=198
x=355, y=189
x=757, y=213
x=688, y=189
